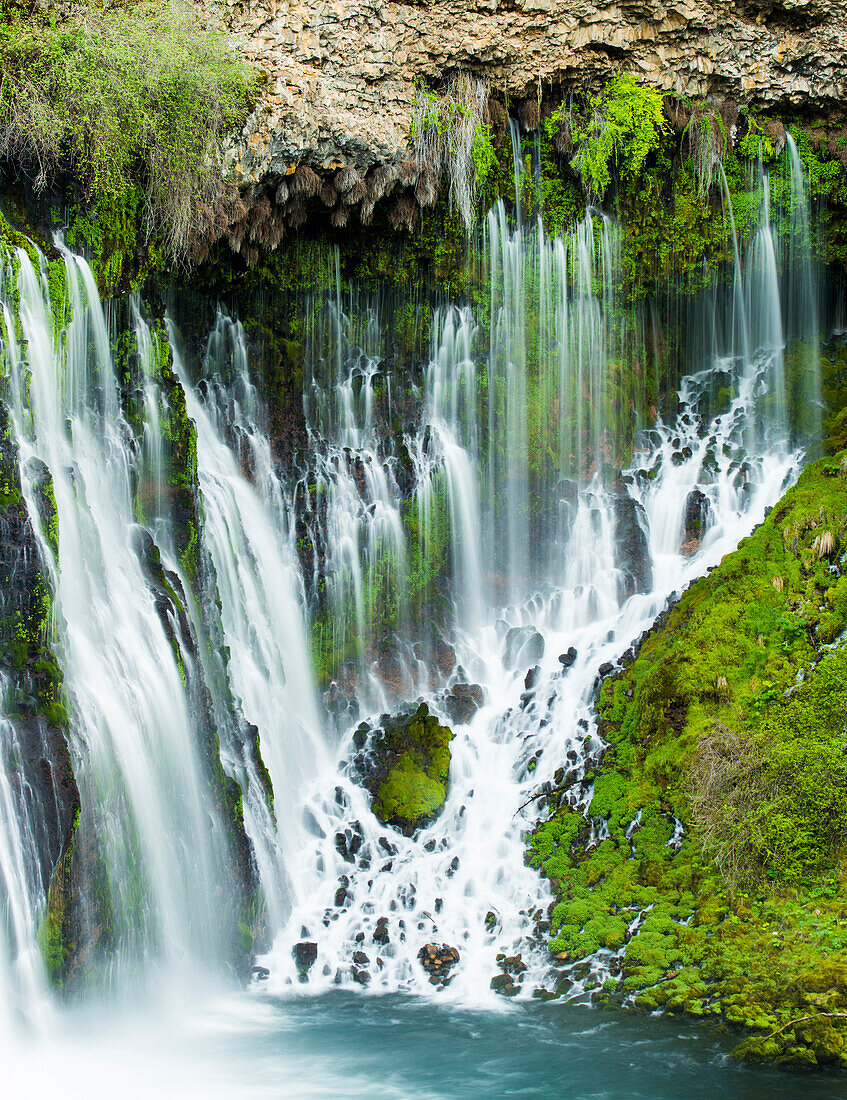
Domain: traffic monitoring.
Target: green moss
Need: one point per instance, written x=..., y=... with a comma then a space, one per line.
x=409, y=781
x=743, y=912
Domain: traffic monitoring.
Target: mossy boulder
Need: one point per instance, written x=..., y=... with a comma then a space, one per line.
x=405, y=764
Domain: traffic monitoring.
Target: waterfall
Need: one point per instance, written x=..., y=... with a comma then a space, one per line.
x=259, y=594
x=132, y=735
x=526, y=416
x=506, y=516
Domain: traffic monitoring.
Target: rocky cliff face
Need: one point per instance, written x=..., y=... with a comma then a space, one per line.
x=339, y=76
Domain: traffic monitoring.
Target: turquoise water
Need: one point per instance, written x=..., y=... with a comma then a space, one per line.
x=348, y=1045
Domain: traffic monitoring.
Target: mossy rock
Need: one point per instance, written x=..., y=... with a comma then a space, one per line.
x=406, y=767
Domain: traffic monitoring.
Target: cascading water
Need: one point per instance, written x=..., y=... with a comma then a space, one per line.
x=546, y=557
x=132, y=737
x=506, y=449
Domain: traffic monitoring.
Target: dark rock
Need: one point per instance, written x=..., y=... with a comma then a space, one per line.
x=360, y=958
x=462, y=702
x=305, y=955
x=261, y=973
x=633, y=552
x=503, y=984
x=361, y=976
x=531, y=678
x=381, y=931
x=567, y=659
x=695, y=521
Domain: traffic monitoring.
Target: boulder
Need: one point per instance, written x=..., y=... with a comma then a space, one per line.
x=405, y=764
x=695, y=521
x=438, y=959
x=633, y=552
x=305, y=954
x=462, y=701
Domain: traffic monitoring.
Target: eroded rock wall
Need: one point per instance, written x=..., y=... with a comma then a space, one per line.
x=339, y=76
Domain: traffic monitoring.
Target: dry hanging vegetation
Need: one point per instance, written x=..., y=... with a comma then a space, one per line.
x=122, y=98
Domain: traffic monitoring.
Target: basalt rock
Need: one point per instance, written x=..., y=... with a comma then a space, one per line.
x=462, y=702
x=695, y=521
x=405, y=764
x=633, y=552
x=438, y=960
x=338, y=90
x=305, y=955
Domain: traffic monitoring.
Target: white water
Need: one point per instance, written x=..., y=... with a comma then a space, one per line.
x=132, y=737
x=462, y=881
x=533, y=547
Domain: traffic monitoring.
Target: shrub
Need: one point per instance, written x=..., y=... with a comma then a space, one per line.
x=120, y=97
x=625, y=124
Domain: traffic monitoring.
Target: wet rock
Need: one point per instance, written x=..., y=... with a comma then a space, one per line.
x=523, y=646
x=406, y=767
x=566, y=660
x=261, y=973
x=438, y=960
x=305, y=955
x=381, y=931
x=633, y=553
x=462, y=702
x=695, y=521
x=360, y=958
x=361, y=976
x=503, y=984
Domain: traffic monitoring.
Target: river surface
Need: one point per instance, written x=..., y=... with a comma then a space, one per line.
x=349, y=1045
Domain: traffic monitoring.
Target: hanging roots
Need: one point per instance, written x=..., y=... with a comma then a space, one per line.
x=776, y=132
x=728, y=110
x=408, y=171
x=530, y=115
x=497, y=118
x=366, y=212
x=403, y=214
x=357, y=192
x=305, y=182
x=676, y=116
x=283, y=192
x=329, y=196
x=445, y=129
x=339, y=216
x=381, y=181
x=426, y=189
x=296, y=212
x=706, y=143
x=261, y=213
x=346, y=180
x=562, y=140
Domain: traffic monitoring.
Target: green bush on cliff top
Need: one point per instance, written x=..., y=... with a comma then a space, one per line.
x=119, y=96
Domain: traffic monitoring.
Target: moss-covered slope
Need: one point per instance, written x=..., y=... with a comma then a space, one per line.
x=724, y=792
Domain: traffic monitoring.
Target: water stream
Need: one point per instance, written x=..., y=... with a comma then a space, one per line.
x=510, y=453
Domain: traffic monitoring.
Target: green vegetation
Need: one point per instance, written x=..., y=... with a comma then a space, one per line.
x=731, y=723
x=132, y=101
x=624, y=124
x=411, y=774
